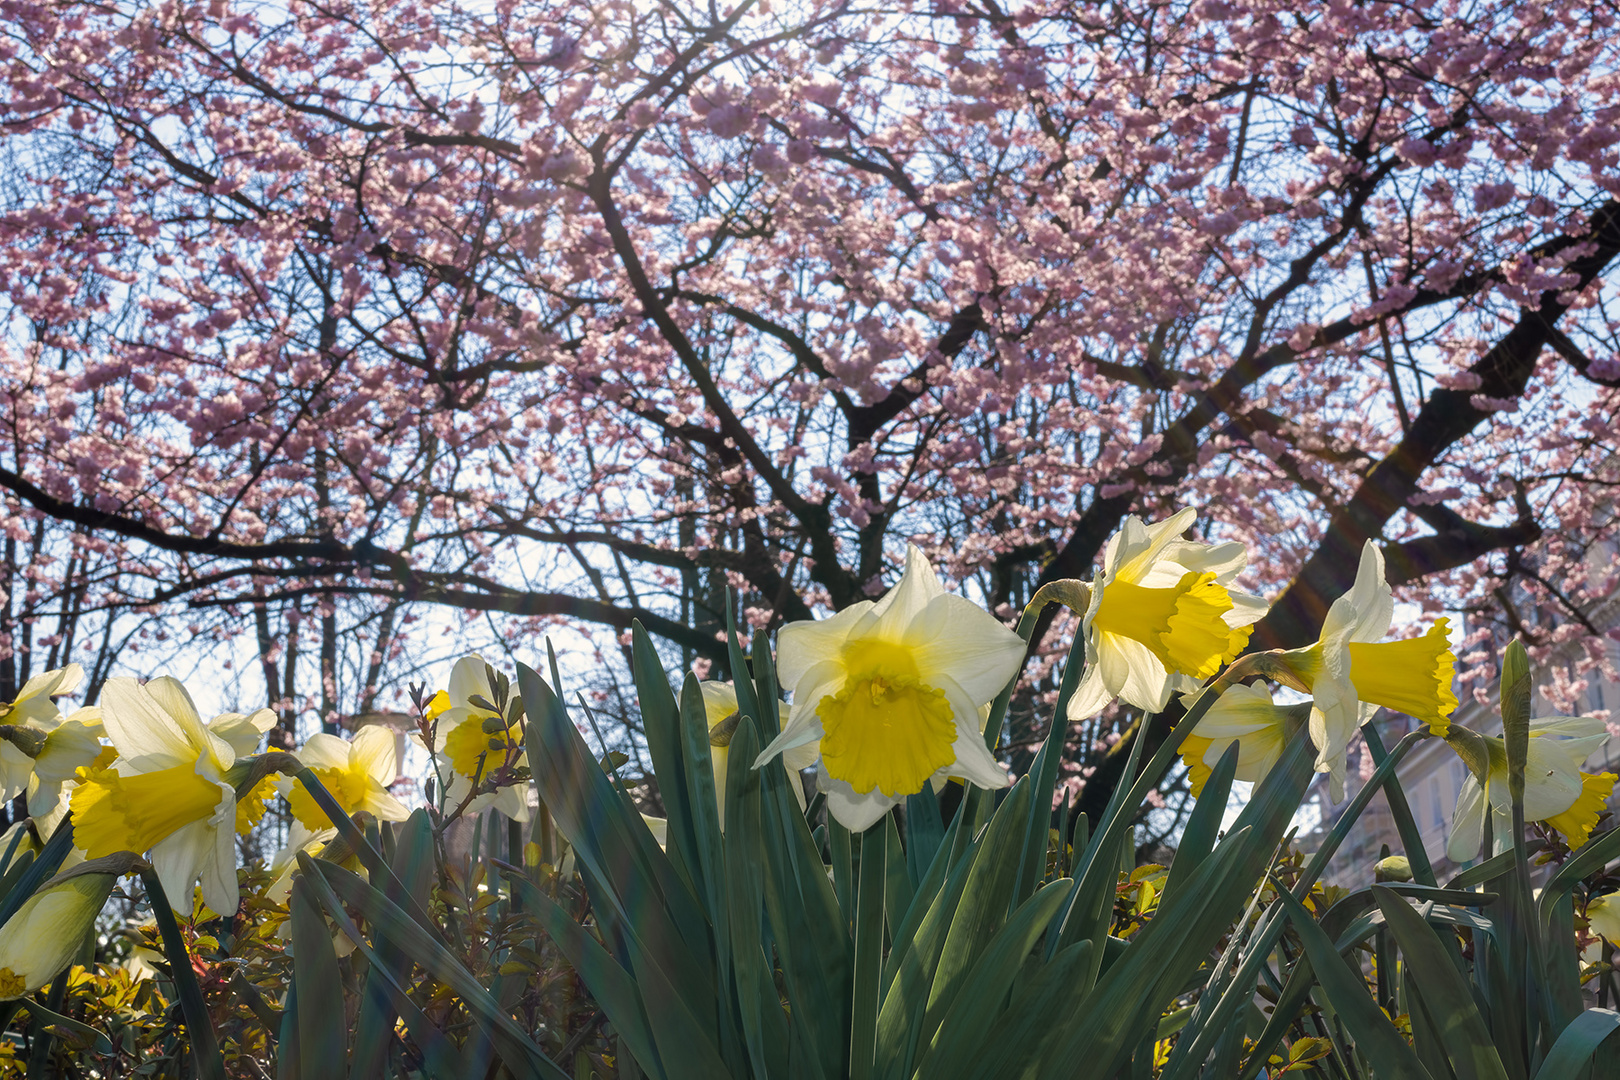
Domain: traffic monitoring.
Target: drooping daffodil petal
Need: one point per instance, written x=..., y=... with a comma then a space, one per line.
x=1162, y=616
x=1349, y=672
x=892, y=690
x=1556, y=791
x=167, y=793
x=1244, y=714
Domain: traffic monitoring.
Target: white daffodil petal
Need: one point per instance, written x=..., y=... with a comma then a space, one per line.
x=1365, y=612
x=1146, y=684
x=856, y=813
x=178, y=858
x=951, y=636
x=802, y=646
x=903, y=603
x=219, y=889
x=1090, y=697
x=373, y=749
x=324, y=751
x=243, y=732
x=1246, y=609
x=513, y=801
x=470, y=676
x=385, y=807
x=147, y=736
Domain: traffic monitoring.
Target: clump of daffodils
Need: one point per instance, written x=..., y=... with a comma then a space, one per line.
x=892, y=690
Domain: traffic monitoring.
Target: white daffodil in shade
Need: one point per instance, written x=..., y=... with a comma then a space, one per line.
x=48, y=931
x=1348, y=671
x=893, y=689
x=1244, y=714
x=167, y=793
x=720, y=709
x=1162, y=616
x=1556, y=791
x=472, y=742
x=40, y=750
x=357, y=775
x=1603, y=920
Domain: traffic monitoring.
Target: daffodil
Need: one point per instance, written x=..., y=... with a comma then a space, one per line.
x=892, y=690
x=1556, y=791
x=168, y=792
x=40, y=750
x=1603, y=916
x=49, y=929
x=1244, y=714
x=720, y=709
x=1162, y=616
x=472, y=742
x=357, y=775
x=1349, y=672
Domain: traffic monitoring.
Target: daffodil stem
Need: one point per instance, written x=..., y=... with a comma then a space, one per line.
x=199, y=1029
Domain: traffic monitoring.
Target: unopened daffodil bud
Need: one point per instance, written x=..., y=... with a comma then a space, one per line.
x=1393, y=868
x=48, y=930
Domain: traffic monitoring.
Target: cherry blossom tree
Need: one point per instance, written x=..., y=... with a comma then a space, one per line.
x=334, y=312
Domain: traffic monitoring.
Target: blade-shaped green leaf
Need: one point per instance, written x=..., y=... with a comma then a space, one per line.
x=322, y=1033
x=869, y=927
x=1578, y=1043
x=1376, y=1038
x=514, y=1046
x=1204, y=824
x=412, y=861
x=983, y=908
x=1445, y=992
x=199, y=1027
x=987, y=984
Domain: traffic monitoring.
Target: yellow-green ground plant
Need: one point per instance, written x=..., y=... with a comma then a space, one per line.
x=578, y=943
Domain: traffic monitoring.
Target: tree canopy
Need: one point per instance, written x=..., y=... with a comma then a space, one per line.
x=319, y=313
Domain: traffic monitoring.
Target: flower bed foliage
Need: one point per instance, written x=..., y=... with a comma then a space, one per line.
x=872, y=930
